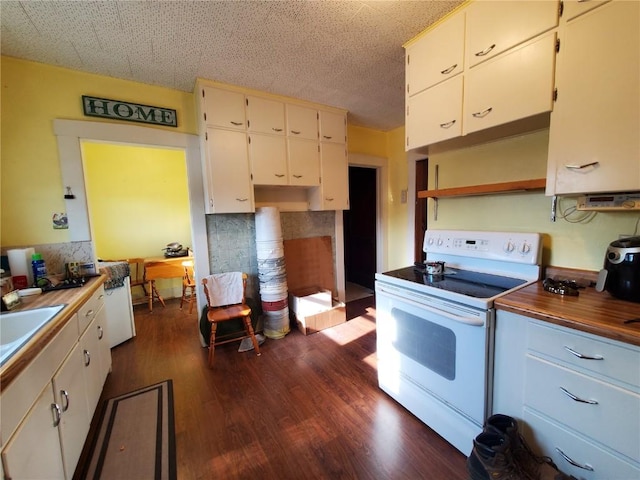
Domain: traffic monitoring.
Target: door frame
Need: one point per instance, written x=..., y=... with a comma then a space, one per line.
x=381, y=165
x=70, y=133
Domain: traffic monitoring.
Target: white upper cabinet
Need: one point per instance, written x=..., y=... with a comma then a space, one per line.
x=302, y=122
x=265, y=116
x=223, y=108
x=333, y=127
x=593, y=137
x=573, y=8
x=333, y=193
x=268, y=154
x=515, y=85
x=494, y=27
x=435, y=114
x=228, y=177
x=437, y=56
x=304, y=162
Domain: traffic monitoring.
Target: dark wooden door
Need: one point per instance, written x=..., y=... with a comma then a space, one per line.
x=360, y=227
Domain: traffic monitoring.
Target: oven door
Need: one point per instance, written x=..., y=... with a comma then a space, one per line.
x=433, y=358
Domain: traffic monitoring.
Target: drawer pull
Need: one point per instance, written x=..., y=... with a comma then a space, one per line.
x=576, y=398
x=55, y=409
x=89, y=313
x=485, y=51
x=65, y=396
x=100, y=332
x=87, y=358
x=483, y=113
x=586, y=466
x=580, y=167
x=580, y=355
x=447, y=124
x=446, y=71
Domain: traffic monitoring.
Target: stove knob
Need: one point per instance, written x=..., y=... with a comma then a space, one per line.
x=525, y=248
x=430, y=241
x=440, y=242
x=509, y=247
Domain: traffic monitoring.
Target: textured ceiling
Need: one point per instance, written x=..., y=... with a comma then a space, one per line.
x=346, y=54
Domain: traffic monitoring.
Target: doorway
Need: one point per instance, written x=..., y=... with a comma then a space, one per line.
x=360, y=232
x=422, y=177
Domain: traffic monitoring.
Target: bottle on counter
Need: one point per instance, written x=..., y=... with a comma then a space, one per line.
x=39, y=269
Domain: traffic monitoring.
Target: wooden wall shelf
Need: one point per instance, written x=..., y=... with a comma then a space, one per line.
x=505, y=187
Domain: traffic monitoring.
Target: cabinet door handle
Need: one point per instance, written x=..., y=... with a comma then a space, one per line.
x=575, y=398
x=297, y=176
x=328, y=138
x=483, y=113
x=237, y=124
x=242, y=199
x=100, y=333
x=447, y=124
x=580, y=167
x=279, y=175
x=586, y=466
x=296, y=132
x=55, y=409
x=446, y=71
x=87, y=358
x=485, y=51
x=65, y=396
x=329, y=199
x=580, y=355
x=276, y=129
x=89, y=313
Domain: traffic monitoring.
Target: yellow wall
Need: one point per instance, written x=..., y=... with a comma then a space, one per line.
x=577, y=245
x=400, y=233
x=33, y=95
x=138, y=199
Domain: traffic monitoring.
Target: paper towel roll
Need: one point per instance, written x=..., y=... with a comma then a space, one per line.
x=20, y=262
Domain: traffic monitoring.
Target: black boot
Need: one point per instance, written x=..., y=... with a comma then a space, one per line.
x=492, y=459
x=534, y=466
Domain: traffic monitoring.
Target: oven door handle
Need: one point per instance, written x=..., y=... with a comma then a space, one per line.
x=475, y=322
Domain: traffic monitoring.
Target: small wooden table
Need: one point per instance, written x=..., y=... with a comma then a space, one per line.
x=162, y=267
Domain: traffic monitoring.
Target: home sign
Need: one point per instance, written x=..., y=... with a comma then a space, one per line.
x=132, y=112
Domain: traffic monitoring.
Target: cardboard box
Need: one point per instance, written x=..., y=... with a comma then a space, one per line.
x=311, y=284
x=311, y=316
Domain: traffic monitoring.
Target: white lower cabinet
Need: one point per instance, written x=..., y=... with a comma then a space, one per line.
x=69, y=393
x=33, y=453
x=576, y=395
x=47, y=410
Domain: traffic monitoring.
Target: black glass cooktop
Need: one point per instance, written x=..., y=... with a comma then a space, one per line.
x=465, y=282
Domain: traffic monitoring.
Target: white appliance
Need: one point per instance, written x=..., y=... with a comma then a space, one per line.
x=435, y=332
x=120, y=322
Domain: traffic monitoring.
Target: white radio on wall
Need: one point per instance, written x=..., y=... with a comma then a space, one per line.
x=609, y=202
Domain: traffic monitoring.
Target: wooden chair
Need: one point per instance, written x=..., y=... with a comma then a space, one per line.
x=222, y=313
x=136, y=267
x=188, y=283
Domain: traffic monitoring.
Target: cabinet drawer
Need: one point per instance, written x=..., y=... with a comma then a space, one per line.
x=611, y=420
x=619, y=362
x=494, y=27
x=516, y=85
x=549, y=437
x=88, y=311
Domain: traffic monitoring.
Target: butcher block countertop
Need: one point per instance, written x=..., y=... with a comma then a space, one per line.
x=73, y=298
x=593, y=312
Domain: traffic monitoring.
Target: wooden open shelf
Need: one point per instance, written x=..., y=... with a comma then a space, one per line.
x=506, y=187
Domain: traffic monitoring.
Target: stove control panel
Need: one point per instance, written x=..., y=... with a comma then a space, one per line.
x=515, y=247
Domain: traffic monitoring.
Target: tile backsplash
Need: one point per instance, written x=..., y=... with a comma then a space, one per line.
x=232, y=239
x=56, y=255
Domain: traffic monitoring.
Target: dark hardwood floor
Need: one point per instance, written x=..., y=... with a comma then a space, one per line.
x=309, y=407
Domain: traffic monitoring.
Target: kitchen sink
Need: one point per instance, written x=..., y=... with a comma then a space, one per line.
x=16, y=328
